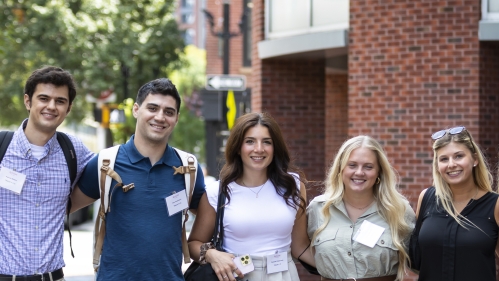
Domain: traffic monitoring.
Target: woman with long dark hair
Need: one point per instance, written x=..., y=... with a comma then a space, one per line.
x=265, y=207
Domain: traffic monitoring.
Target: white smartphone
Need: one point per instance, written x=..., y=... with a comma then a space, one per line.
x=244, y=263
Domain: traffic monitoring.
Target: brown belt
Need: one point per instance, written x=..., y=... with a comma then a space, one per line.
x=382, y=278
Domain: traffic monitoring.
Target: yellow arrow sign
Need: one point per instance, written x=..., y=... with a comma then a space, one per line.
x=232, y=109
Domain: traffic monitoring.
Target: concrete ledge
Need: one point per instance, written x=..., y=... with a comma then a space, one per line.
x=303, y=43
x=488, y=31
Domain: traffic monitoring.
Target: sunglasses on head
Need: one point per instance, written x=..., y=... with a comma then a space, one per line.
x=452, y=131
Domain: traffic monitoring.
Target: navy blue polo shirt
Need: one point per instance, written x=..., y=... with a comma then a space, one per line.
x=142, y=241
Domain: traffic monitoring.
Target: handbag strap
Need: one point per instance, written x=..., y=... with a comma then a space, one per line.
x=218, y=233
x=429, y=195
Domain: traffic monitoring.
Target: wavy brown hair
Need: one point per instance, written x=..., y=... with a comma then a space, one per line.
x=277, y=171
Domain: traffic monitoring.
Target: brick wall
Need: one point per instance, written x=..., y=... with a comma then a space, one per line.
x=336, y=102
x=258, y=21
x=489, y=102
x=293, y=92
x=414, y=69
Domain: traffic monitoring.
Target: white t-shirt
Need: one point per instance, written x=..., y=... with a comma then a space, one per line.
x=37, y=151
x=256, y=226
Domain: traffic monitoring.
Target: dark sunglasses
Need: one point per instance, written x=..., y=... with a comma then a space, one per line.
x=452, y=131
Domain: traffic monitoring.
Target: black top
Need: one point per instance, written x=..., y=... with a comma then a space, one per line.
x=450, y=252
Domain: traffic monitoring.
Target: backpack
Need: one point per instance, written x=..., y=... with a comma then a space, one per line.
x=69, y=153
x=106, y=174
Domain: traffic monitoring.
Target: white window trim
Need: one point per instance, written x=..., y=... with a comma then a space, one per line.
x=310, y=29
x=486, y=16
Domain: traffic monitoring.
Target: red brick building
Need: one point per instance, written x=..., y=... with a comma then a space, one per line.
x=397, y=70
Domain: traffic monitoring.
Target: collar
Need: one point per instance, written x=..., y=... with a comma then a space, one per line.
x=169, y=158
x=341, y=207
x=25, y=145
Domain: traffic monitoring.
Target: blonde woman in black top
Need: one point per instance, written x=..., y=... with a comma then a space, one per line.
x=459, y=232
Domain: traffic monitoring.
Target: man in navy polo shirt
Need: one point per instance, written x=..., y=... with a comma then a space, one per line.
x=143, y=241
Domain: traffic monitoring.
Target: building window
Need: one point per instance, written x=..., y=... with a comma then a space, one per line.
x=247, y=8
x=187, y=3
x=187, y=18
x=188, y=36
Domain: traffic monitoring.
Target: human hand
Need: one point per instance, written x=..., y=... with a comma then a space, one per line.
x=223, y=265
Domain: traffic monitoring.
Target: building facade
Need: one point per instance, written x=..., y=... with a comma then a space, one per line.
x=397, y=70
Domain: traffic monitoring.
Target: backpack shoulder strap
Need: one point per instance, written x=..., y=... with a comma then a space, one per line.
x=107, y=158
x=5, y=139
x=105, y=166
x=71, y=160
x=69, y=153
x=189, y=169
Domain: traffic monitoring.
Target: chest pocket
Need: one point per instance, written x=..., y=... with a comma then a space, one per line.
x=325, y=236
x=386, y=241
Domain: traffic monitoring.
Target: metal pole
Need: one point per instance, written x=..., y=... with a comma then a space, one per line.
x=226, y=37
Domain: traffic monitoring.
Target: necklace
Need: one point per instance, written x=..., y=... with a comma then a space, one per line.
x=468, y=200
x=251, y=188
x=357, y=207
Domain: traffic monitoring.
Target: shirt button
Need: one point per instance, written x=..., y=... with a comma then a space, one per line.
x=37, y=205
x=36, y=227
x=349, y=253
x=382, y=241
x=36, y=249
x=318, y=239
x=39, y=184
x=351, y=226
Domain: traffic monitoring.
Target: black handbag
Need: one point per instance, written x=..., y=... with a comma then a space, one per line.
x=414, y=252
x=204, y=272
x=309, y=268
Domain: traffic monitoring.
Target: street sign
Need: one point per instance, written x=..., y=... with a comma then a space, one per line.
x=225, y=82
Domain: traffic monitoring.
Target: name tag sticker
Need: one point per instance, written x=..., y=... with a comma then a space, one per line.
x=12, y=180
x=176, y=202
x=277, y=262
x=368, y=233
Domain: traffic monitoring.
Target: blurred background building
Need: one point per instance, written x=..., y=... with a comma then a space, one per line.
x=190, y=20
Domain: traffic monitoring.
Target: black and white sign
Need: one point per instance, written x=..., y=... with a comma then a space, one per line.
x=225, y=82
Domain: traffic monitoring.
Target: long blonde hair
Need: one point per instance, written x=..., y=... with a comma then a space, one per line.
x=481, y=174
x=390, y=202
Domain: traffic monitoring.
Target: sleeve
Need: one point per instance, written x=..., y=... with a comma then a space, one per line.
x=212, y=193
x=83, y=155
x=88, y=182
x=199, y=189
x=313, y=212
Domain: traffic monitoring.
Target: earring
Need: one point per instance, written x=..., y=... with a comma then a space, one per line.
x=474, y=165
x=378, y=180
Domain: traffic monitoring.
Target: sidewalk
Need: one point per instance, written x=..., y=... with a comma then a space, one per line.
x=80, y=267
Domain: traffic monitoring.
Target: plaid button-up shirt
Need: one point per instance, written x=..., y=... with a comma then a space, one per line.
x=32, y=223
